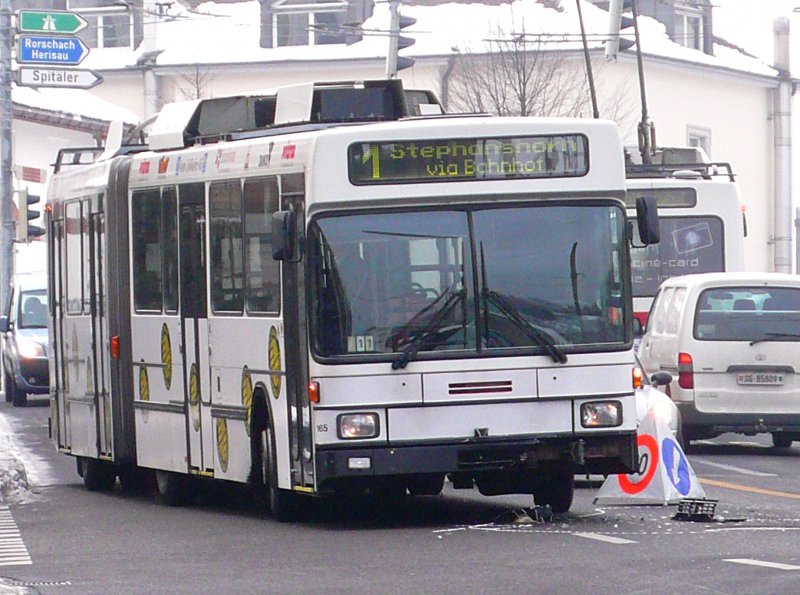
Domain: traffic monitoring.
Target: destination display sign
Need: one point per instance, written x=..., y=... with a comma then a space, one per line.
x=449, y=160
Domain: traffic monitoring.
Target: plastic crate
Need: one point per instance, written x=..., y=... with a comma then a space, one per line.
x=694, y=509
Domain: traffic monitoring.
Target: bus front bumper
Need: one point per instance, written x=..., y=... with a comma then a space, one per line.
x=606, y=454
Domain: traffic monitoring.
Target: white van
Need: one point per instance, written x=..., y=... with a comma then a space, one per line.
x=732, y=344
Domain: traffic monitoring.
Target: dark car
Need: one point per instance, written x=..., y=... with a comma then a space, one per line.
x=24, y=337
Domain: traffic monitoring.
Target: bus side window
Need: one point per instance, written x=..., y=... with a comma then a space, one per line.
x=169, y=206
x=262, y=273
x=146, y=226
x=227, y=268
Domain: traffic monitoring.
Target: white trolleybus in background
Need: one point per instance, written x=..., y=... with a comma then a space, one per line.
x=301, y=297
x=702, y=221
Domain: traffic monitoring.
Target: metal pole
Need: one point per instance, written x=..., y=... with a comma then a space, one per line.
x=595, y=110
x=782, y=218
x=6, y=182
x=394, y=34
x=644, y=126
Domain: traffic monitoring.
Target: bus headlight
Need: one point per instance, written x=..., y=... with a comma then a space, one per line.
x=354, y=426
x=29, y=349
x=601, y=414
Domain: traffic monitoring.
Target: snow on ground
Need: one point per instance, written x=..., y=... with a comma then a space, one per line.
x=19, y=470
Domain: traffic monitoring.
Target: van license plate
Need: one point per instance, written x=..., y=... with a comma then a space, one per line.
x=767, y=378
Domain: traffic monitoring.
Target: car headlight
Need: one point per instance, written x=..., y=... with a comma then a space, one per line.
x=601, y=414
x=29, y=349
x=353, y=426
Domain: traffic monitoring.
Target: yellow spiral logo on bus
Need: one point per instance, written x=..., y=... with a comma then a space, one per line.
x=222, y=443
x=247, y=397
x=144, y=383
x=144, y=389
x=194, y=397
x=274, y=362
x=166, y=355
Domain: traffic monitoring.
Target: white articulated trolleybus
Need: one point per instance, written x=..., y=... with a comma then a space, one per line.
x=316, y=293
x=701, y=217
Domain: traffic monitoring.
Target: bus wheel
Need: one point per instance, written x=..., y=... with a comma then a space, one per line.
x=282, y=503
x=171, y=487
x=17, y=397
x=555, y=486
x=780, y=440
x=98, y=476
x=8, y=383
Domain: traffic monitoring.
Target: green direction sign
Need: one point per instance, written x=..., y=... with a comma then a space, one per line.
x=52, y=21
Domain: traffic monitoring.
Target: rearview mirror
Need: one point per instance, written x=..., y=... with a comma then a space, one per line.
x=661, y=378
x=283, y=235
x=647, y=220
x=4, y=325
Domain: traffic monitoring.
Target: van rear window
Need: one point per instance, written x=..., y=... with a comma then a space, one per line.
x=748, y=314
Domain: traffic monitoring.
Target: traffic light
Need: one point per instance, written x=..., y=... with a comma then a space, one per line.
x=616, y=23
x=24, y=214
x=398, y=42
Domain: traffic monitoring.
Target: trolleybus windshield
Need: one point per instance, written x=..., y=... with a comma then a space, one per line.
x=469, y=279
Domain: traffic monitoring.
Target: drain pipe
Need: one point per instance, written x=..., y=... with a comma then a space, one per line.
x=782, y=217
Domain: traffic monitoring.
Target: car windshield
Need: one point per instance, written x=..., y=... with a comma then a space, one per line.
x=544, y=278
x=748, y=314
x=33, y=309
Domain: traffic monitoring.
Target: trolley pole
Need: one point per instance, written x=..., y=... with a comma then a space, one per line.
x=6, y=184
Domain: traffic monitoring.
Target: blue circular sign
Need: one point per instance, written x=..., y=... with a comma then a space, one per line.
x=676, y=465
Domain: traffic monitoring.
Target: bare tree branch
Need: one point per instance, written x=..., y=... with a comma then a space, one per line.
x=518, y=76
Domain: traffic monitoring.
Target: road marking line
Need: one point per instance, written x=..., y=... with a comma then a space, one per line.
x=12, y=549
x=606, y=538
x=732, y=468
x=775, y=565
x=742, y=488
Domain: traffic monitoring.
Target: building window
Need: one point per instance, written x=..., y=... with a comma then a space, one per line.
x=109, y=23
x=689, y=29
x=315, y=24
x=699, y=138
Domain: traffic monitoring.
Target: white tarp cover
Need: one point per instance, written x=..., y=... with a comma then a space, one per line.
x=665, y=476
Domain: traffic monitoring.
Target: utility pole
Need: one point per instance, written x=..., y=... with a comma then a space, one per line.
x=6, y=183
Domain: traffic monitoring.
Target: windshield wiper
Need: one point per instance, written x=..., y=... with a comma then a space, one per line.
x=434, y=324
x=537, y=336
x=774, y=336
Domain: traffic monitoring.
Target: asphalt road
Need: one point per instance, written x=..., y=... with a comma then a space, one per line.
x=82, y=542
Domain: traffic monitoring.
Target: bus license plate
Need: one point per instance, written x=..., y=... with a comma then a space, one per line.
x=768, y=378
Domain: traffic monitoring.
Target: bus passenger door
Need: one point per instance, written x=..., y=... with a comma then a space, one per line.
x=100, y=343
x=59, y=411
x=194, y=325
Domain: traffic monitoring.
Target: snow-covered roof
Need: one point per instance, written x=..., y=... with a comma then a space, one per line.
x=72, y=103
x=232, y=31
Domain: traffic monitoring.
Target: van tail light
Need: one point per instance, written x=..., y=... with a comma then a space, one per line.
x=115, y=346
x=685, y=371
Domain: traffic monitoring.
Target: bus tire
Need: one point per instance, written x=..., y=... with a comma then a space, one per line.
x=172, y=487
x=17, y=397
x=555, y=486
x=8, y=383
x=781, y=440
x=98, y=476
x=281, y=503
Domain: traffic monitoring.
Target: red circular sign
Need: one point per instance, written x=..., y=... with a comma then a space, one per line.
x=629, y=487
